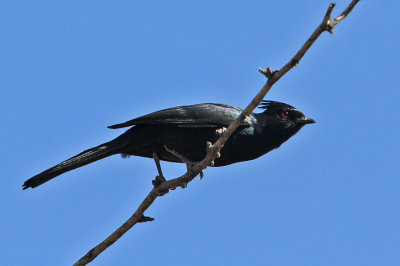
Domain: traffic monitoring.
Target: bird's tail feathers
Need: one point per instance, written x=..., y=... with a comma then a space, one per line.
x=83, y=158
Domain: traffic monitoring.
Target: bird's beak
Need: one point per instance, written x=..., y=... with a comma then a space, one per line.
x=305, y=120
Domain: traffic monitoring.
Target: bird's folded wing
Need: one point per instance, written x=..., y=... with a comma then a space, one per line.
x=199, y=115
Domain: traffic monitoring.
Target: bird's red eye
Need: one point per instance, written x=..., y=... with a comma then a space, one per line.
x=284, y=114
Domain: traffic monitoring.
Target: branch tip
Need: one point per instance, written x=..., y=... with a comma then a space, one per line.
x=145, y=219
x=347, y=11
x=328, y=14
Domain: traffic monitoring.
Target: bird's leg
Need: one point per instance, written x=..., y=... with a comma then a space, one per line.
x=189, y=164
x=160, y=178
x=179, y=156
x=160, y=173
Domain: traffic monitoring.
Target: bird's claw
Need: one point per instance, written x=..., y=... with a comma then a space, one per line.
x=158, y=181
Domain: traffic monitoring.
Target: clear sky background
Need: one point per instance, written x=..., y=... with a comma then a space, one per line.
x=329, y=196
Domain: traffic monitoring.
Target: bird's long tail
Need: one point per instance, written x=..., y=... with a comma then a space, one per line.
x=83, y=158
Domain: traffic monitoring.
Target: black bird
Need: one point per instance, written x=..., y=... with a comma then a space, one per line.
x=185, y=130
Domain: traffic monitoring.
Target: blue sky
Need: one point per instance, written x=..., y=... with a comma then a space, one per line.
x=329, y=196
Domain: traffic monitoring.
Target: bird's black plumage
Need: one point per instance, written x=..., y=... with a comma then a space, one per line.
x=186, y=129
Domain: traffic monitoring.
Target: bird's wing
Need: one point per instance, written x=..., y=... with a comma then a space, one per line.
x=199, y=115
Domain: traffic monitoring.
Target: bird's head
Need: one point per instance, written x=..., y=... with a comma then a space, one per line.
x=284, y=116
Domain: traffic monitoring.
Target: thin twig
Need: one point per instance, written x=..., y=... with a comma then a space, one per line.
x=345, y=12
x=273, y=76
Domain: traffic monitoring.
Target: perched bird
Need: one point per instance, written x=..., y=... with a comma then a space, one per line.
x=186, y=130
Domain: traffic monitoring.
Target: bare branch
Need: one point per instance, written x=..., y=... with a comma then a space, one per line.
x=345, y=12
x=213, y=150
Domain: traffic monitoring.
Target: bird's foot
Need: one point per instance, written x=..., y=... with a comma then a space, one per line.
x=189, y=167
x=189, y=164
x=158, y=181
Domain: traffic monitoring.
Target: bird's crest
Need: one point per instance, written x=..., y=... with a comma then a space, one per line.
x=264, y=104
x=270, y=104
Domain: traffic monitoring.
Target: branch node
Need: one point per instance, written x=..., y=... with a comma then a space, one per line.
x=221, y=130
x=246, y=120
x=329, y=27
x=269, y=73
x=145, y=219
x=163, y=192
x=208, y=146
x=294, y=62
